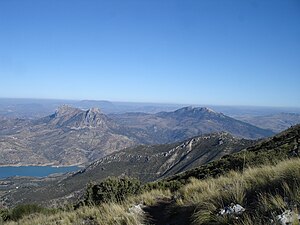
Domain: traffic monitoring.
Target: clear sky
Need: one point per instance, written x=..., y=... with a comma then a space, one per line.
x=228, y=52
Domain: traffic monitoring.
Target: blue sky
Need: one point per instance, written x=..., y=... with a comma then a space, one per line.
x=223, y=52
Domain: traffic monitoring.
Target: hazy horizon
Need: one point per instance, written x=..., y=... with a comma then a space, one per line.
x=230, y=53
x=146, y=103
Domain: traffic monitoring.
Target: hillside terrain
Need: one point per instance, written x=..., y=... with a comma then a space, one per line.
x=72, y=136
x=282, y=146
x=170, y=162
x=153, y=162
x=259, y=185
x=147, y=163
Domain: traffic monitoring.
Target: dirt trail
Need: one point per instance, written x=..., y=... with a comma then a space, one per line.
x=161, y=214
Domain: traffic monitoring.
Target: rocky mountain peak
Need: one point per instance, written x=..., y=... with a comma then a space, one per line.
x=77, y=118
x=66, y=110
x=93, y=111
x=195, y=110
x=205, y=109
x=93, y=117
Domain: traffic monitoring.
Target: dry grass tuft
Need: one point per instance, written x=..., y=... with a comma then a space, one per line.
x=264, y=192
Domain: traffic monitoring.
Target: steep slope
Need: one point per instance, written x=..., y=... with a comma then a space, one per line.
x=156, y=161
x=270, y=151
x=147, y=163
x=166, y=127
x=69, y=136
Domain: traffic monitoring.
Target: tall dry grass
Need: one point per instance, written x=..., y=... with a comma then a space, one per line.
x=264, y=192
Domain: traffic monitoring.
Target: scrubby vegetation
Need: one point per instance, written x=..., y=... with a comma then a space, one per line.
x=105, y=214
x=21, y=211
x=111, y=213
x=105, y=203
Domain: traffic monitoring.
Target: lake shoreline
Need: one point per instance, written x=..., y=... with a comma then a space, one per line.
x=41, y=165
x=35, y=171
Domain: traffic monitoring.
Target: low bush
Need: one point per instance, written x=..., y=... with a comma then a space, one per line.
x=173, y=185
x=112, y=189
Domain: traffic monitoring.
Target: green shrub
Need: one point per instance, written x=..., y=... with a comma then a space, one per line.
x=173, y=185
x=112, y=189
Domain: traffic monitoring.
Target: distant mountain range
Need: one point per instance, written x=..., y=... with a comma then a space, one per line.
x=37, y=108
x=72, y=136
x=275, y=122
x=166, y=127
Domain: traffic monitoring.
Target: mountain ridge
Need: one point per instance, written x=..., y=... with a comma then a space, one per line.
x=187, y=122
